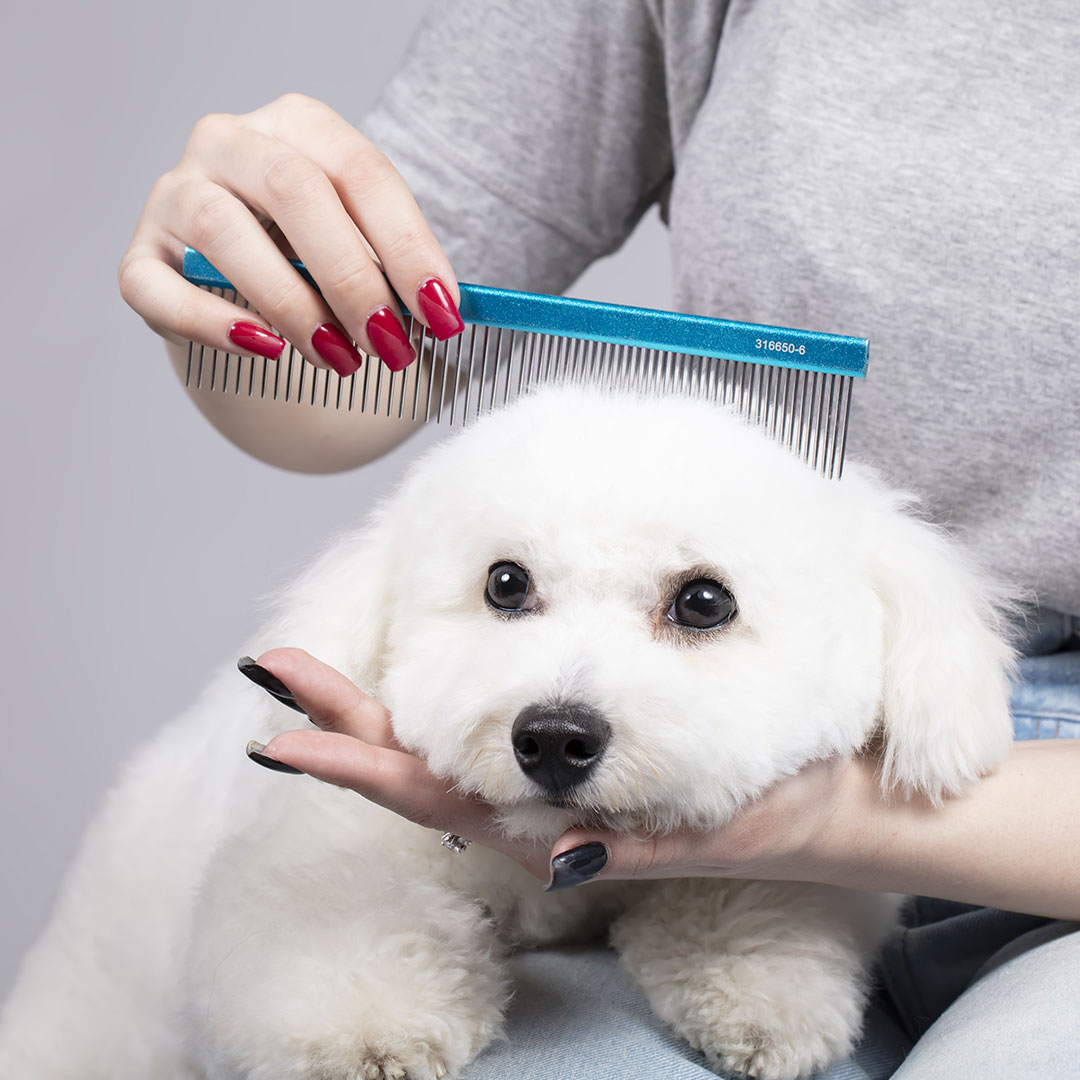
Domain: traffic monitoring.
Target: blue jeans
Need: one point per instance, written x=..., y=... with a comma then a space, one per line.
x=962, y=991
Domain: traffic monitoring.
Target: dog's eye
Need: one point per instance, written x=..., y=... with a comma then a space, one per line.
x=702, y=605
x=508, y=587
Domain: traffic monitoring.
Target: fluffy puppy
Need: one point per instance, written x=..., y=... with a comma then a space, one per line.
x=587, y=608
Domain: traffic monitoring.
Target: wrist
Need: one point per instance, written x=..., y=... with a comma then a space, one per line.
x=801, y=829
x=841, y=838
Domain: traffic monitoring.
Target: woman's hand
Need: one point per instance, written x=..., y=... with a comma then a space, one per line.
x=771, y=837
x=1010, y=842
x=291, y=179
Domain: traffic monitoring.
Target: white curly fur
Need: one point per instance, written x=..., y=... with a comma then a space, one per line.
x=225, y=922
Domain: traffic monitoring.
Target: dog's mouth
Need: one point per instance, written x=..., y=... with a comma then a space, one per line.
x=549, y=814
x=590, y=815
x=560, y=802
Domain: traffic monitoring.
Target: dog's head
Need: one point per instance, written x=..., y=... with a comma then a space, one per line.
x=602, y=609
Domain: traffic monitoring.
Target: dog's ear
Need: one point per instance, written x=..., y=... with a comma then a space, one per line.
x=947, y=662
x=338, y=607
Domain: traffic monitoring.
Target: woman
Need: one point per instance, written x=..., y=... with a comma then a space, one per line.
x=909, y=173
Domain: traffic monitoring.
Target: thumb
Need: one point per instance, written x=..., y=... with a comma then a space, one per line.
x=581, y=855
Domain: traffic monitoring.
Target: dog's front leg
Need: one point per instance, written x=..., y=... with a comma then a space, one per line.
x=320, y=954
x=767, y=978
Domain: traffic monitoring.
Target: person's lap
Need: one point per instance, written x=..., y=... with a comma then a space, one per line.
x=1009, y=1007
x=962, y=991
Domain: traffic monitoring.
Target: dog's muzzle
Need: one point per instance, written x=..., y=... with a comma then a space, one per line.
x=559, y=745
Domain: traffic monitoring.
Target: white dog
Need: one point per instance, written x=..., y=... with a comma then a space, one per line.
x=698, y=609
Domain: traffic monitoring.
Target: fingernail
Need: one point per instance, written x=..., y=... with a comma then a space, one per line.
x=336, y=349
x=254, y=339
x=577, y=865
x=270, y=683
x=438, y=308
x=389, y=340
x=255, y=752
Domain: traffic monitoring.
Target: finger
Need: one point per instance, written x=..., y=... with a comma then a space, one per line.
x=223, y=228
x=392, y=778
x=581, y=855
x=333, y=701
x=377, y=198
x=291, y=189
x=182, y=312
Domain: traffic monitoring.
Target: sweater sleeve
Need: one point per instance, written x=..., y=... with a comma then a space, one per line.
x=534, y=136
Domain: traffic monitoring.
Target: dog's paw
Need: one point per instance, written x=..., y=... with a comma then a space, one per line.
x=399, y=1032
x=389, y=1056
x=754, y=1052
x=774, y=1037
x=766, y=978
x=375, y=1046
x=335, y=972
x=312, y=1020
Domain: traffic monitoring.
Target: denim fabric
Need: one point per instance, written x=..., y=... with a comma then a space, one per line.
x=1046, y=703
x=1046, y=696
x=962, y=991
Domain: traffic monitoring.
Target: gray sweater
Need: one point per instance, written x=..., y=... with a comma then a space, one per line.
x=905, y=171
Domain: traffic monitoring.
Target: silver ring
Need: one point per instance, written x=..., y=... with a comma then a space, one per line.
x=454, y=842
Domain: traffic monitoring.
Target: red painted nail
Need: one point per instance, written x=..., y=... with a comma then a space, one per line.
x=336, y=349
x=389, y=340
x=438, y=308
x=250, y=338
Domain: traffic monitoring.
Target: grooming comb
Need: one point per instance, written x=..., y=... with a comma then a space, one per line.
x=796, y=384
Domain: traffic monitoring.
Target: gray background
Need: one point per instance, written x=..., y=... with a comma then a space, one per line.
x=136, y=541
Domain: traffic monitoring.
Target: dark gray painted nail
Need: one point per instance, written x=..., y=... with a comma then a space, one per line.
x=577, y=865
x=270, y=683
x=255, y=752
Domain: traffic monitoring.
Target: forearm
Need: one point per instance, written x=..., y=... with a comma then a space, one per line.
x=297, y=436
x=1012, y=841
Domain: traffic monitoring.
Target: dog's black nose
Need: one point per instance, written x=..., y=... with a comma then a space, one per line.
x=559, y=745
